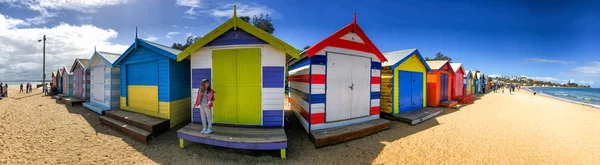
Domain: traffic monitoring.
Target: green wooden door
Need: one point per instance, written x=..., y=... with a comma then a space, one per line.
x=225, y=105
x=237, y=80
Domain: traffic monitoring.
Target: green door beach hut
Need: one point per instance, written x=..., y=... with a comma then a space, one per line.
x=476, y=82
x=104, y=82
x=334, y=87
x=403, y=87
x=246, y=68
x=155, y=90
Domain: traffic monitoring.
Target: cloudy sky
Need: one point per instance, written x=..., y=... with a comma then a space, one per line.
x=546, y=40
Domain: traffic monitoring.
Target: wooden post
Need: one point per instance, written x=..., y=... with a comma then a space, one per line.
x=181, y=143
x=282, y=153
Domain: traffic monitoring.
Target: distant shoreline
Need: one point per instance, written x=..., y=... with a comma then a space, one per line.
x=561, y=99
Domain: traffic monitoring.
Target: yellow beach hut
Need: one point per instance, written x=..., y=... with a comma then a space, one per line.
x=403, y=87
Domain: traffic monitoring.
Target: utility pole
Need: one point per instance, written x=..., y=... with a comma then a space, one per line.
x=43, y=62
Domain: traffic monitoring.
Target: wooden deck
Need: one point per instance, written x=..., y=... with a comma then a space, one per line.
x=416, y=116
x=448, y=103
x=330, y=136
x=57, y=97
x=236, y=137
x=72, y=100
x=138, y=126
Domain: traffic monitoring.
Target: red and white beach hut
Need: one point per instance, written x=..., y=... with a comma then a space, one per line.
x=336, y=84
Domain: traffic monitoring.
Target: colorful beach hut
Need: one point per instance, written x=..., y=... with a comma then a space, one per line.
x=104, y=82
x=67, y=81
x=53, y=79
x=246, y=67
x=403, y=82
x=59, y=80
x=403, y=87
x=476, y=82
x=439, y=83
x=80, y=79
x=335, y=84
x=154, y=90
x=458, y=81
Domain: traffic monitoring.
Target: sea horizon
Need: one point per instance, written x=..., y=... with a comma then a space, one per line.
x=585, y=96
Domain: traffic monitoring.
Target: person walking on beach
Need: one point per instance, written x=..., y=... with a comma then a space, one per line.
x=21, y=88
x=27, y=88
x=205, y=99
x=30, y=87
x=45, y=89
x=1, y=91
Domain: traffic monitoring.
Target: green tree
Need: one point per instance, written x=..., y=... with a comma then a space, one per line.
x=438, y=56
x=188, y=41
x=263, y=22
x=245, y=18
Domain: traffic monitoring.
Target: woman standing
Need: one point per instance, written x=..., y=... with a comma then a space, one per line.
x=205, y=99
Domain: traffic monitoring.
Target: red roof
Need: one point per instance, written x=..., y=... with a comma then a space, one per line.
x=335, y=40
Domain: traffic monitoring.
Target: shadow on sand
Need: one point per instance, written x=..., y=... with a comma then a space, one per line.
x=164, y=149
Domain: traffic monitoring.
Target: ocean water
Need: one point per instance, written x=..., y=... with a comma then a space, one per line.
x=581, y=95
x=19, y=83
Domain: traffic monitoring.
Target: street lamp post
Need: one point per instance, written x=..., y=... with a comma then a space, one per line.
x=44, y=60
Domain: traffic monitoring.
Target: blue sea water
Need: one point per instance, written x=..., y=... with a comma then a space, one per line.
x=582, y=95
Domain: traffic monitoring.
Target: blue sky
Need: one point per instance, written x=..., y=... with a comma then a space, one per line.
x=546, y=40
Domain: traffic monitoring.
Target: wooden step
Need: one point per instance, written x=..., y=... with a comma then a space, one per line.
x=151, y=124
x=129, y=130
x=340, y=134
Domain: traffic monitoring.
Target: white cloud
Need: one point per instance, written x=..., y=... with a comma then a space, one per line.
x=174, y=26
x=151, y=38
x=21, y=53
x=193, y=4
x=591, y=69
x=198, y=8
x=540, y=60
x=242, y=10
x=171, y=34
x=47, y=8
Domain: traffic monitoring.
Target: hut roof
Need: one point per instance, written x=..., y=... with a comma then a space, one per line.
x=436, y=64
x=158, y=48
x=336, y=40
x=79, y=61
x=395, y=58
x=455, y=66
x=234, y=23
x=109, y=57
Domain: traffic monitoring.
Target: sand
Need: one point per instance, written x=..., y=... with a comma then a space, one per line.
x=497, y=129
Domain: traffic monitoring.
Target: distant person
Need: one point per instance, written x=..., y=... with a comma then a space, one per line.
x=1, y=90
x=45, y=89
x=27, y=88
x=534, y=93
x=21, y=88
x=5, y=90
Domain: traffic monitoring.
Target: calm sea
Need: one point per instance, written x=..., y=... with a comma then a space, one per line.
x=582, y=95
x=19, y=83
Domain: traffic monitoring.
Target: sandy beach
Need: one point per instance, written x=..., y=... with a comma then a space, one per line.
x=497, y=129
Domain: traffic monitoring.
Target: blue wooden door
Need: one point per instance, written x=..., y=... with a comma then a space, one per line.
x=405, y=91
x=417, y=90
x=444, y=87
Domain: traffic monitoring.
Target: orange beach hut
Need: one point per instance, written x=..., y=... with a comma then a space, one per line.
x=439, y=82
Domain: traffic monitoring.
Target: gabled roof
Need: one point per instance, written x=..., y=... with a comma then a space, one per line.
x=456, y=66
x=437, y=64
x=477, y=75
x=467, y=73
x=54, y=74
x=66, y=70
x=79, y=61
x=107, y=57
x=60, y=72
x=158, y=48
x=235, y=22
x=396, y=58
x=335, y=40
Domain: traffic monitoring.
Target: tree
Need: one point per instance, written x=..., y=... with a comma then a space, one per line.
x=303, y=49
x=245, y=18
x=189, y=41
x=438, y=56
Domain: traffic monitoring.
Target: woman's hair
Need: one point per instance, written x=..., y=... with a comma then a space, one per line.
x=202, y=87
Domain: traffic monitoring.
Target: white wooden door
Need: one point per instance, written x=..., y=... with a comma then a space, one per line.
x=98, y=82
x=361, y=92
x=339, y=82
